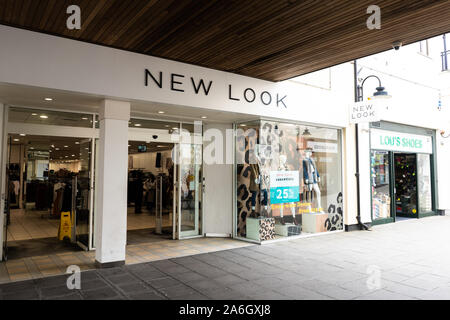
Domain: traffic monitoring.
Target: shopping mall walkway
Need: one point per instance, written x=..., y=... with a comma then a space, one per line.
x=406, y=260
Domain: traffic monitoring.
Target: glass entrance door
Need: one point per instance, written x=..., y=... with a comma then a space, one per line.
x=189, y=190
x=405, y=168
x=83, y=206
x=381, y=187
x=9, y=190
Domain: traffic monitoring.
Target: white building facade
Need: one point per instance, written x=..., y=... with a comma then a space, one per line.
x=227, y=155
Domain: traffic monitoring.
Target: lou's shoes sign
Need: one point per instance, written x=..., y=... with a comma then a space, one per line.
x=181, y=83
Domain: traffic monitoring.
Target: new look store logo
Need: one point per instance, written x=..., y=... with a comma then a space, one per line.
x=181, y=83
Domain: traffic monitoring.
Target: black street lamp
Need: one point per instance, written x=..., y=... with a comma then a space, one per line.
x=359, y=97
x=379, y=94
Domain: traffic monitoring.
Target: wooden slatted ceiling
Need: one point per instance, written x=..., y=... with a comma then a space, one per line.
x=267, y=39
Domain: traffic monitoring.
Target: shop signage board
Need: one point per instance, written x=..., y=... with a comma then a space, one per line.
x=365, y=111
x=401, y=142
x=284, y=187
x=325, y=147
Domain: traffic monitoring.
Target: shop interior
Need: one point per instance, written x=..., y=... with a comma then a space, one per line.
x=48, y=178
x=405, y=168
x=150, y=191
x=410, y=187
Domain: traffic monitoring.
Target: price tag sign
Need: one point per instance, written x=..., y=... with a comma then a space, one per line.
x=284, y=187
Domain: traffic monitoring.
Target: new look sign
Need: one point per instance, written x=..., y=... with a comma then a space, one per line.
x=401, y=142
x=178, y=83
x=364, y=112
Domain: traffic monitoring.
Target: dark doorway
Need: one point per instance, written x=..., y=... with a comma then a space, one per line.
x=405, y=168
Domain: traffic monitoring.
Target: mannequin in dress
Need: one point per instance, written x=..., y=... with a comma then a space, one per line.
x=312, y=179
x=283, y=167
x=257, y=183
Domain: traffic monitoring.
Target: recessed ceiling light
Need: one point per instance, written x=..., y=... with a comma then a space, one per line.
x=137, y=124
x=243, y=125
x=31, y=148
x=204, y=117
x=48, y=99
x=22, y=134
x=66, y=146
x=43, y=116
x=73, y=155
x=34, y=114
x=161, y=112
x=175, y=128
x=16, y=140
x=84, y=118
x=57, y=149
x=77, y=142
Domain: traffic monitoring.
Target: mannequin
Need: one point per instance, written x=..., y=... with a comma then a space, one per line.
x=283, y=167
x=312, y=178
x=257, y=183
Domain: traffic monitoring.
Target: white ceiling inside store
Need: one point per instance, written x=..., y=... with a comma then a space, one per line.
x=26, y=96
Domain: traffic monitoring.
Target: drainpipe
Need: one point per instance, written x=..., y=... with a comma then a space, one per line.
x=361, y=225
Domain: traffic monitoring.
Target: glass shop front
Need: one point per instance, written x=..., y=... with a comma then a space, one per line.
x=402, y=173
x=288, y=180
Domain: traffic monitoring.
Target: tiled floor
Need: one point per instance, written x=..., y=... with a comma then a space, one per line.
x=31, y=224
x=145, y=220
x=55, y=264
x=407, y=260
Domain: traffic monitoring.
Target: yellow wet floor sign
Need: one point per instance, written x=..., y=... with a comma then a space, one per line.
x=65, y=227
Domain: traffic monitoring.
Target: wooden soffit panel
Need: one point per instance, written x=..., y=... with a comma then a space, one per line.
x=271, y=39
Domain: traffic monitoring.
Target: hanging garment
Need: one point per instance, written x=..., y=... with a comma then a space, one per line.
x=67, y=199
x=310, y=173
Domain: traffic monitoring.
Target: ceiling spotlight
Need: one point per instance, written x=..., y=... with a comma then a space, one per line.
x=175, y=128
x=161, y=112
x=34, y=114
x=66, y=146
x=43, y=116
x=138, y=125
x=84, y=118
x=22, y=134
x=204, y=117
x=16, y=140
x=77, y=142
x=48, y=99
x=57, y=149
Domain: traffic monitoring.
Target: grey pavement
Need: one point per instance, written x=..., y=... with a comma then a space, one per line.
x=407, y=260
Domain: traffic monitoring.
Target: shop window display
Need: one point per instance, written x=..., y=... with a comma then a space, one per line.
x=288, y=180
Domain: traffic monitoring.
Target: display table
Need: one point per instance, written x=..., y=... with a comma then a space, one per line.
x=314, y=222
x=260, y=229
x=287, y=230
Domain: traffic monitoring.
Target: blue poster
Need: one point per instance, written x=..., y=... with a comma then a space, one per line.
x=284, y=187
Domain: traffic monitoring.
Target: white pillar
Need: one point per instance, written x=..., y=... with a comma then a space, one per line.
x=111, y=202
